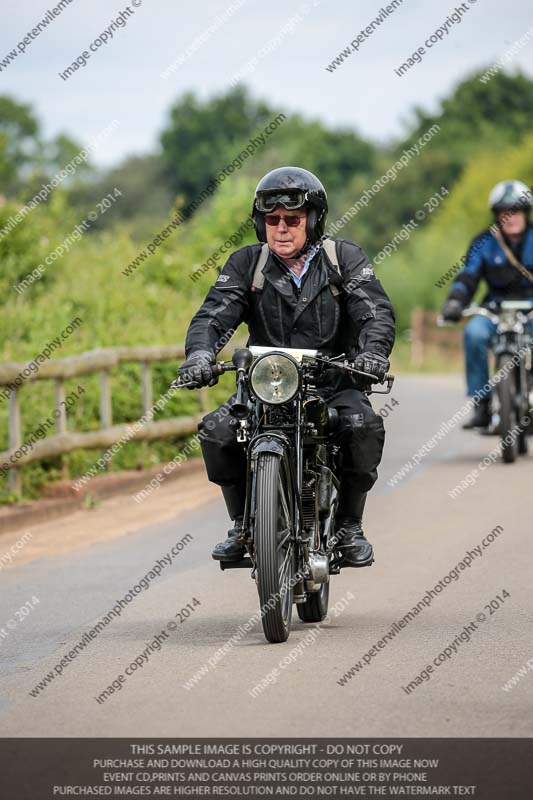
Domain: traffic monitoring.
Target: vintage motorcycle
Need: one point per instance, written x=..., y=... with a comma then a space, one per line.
x=512, y=394
x=292, y=479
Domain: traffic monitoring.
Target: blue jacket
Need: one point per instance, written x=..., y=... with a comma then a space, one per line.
x=486, y=260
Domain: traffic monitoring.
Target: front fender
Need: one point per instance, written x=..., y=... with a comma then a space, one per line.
x=280, y=446
x=269, y=443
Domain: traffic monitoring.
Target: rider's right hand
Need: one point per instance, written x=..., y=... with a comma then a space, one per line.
x=197, y=371
x=452, y=310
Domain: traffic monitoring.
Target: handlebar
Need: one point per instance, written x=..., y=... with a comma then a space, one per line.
x=481, y=311
x=227, y=366
x=388, y=379
x=477, y=311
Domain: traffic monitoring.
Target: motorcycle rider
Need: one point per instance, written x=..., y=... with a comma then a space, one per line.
x=303, y=302
x=510, y=203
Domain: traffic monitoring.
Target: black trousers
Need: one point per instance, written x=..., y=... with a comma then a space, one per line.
x=360, y=434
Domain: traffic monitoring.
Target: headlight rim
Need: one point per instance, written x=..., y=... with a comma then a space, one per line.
x=289, y=358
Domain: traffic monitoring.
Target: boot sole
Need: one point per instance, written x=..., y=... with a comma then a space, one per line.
x=367, y=563
x=239, y=557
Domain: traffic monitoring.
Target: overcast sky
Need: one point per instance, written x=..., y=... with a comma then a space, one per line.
x=122, y=79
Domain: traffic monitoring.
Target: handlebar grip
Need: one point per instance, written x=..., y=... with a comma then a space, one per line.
x=217, y=369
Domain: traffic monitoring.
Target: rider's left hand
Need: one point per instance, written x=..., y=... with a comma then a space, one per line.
x=372, y=362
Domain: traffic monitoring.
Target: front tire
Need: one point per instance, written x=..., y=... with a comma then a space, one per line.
x=508, y=420
x=274, y=545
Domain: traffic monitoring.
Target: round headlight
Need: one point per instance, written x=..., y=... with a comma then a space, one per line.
x=275, y=378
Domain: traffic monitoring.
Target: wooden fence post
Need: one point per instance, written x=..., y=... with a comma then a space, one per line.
x=15, y=475
x=60, y=411
x=417, y=337
x=106, y=415
x=106, y=409
x=146, y=386
x=204, y=399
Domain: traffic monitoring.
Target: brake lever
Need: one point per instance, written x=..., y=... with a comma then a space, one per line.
x=389, y=380
x=177, y=384
x=371, y=378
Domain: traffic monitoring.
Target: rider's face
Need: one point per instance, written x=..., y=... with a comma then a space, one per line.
x=512, y=223
x=285, y=241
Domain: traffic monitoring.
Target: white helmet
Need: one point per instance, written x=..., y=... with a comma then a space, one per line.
x=510, y=195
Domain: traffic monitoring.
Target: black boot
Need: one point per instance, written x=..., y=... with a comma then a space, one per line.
x=480, y=417
x=231, y=549
x=356, y=550
x=354, y=547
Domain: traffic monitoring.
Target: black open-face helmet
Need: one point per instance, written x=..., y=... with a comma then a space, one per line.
x=291, y=188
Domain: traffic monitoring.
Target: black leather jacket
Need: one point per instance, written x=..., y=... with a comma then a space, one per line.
x=359, y=318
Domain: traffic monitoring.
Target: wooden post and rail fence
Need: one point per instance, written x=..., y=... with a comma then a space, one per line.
x=424, y=336
x=428, y=339
x=95, y=361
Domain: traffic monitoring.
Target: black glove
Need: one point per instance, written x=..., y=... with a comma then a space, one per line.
x=372, y=362
x=197, y=370
x=452, y=310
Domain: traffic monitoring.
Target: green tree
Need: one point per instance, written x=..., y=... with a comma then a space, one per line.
x=478, y=115
x=145, y=200
x=19, y=141
x=201, y=137
x=26, y=160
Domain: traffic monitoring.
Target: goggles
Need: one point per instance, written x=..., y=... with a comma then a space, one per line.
x=291, y=199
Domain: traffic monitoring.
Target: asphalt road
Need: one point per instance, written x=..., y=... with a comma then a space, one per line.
x=79, y=567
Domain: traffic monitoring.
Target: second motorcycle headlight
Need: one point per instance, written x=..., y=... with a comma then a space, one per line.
x=275, y=378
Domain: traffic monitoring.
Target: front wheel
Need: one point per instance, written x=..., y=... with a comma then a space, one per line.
x=274, y=545
x=508, y=416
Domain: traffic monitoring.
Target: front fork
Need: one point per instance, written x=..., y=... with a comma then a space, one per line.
x=522, y=379
x=279, y=446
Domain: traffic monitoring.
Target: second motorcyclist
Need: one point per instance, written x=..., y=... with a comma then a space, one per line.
x=502, y=256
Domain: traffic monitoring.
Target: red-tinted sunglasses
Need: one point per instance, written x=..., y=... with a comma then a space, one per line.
x=274, y=219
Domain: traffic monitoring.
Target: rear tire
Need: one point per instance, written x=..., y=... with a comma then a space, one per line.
x=315, y=607
x=274, y=547
x=508, y=420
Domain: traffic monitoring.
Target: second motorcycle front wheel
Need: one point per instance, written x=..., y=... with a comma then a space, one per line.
x=273, y=544
x=508, y=416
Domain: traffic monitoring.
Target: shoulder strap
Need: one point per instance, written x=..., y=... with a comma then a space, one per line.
x=496, y=232
x=259, y=279
x=330, y=249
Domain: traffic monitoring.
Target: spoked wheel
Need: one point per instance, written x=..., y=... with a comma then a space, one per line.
x=523, y=438
x=274, y=548
x=315, y=607
x=522, y=443
x=508, y=416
